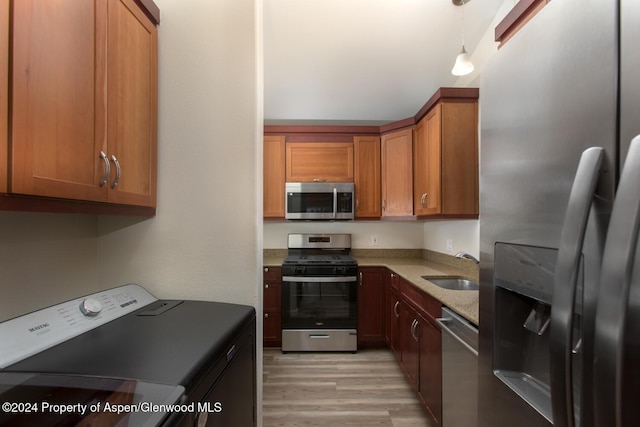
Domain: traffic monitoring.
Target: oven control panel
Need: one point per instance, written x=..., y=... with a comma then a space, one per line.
x=32, y=333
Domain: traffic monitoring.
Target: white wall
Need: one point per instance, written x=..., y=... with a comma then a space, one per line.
x=391, y=235
x=464, y=235
x=204, y=242
x=45, y=259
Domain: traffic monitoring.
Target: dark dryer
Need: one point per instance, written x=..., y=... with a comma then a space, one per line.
x=112, y=346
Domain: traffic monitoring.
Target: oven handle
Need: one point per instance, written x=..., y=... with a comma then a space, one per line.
x=330, y=279
x=335, y=202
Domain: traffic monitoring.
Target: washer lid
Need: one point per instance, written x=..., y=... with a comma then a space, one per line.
x=58, y=400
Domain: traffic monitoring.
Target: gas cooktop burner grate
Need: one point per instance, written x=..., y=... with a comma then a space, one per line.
x=320, y=259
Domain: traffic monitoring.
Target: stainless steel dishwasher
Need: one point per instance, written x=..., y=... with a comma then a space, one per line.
x=459, y=370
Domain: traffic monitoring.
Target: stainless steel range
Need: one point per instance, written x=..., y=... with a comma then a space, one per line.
x=319, y=294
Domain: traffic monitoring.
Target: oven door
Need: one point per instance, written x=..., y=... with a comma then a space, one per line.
x=319, y=302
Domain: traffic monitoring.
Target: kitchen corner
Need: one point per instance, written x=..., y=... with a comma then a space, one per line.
x=412, y=264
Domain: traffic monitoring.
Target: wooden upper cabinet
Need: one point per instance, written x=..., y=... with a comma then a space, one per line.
x=446, y=160
x=84, y=101
x=319, y=162
x=4, y=93
x=426, y=157
x=58, y=104
x=367, y=176
x=273, y=177
x=132, y=103
x=397, y=176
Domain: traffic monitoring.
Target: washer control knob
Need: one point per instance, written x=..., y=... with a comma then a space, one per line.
x=90, y=307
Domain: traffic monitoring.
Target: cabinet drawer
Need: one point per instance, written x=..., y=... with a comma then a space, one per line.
x=424, y=303
x=272, y=275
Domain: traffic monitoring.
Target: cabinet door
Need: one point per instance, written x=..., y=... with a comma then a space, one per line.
x=367, y=176
x=58, y=106
x=393, y=320
x=271, y=304
x=427, y=164
x=460, y=158
x=273, y=177
x=4, y=93
x=272, y=322
x=132, y=104
x=397, y=174
x=371, y=306
x=319, y=162
x=410, y=344
x=430, y=388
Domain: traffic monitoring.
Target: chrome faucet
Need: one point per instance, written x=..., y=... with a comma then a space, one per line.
x=467, y=255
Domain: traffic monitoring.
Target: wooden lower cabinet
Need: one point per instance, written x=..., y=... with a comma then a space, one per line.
x=272, y=303
x=430, y=384
x=371, y=303
x=392, y=315
x=413, y=335
x=409, y=344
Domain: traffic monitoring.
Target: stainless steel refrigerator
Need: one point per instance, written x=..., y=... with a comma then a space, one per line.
x=559, y=293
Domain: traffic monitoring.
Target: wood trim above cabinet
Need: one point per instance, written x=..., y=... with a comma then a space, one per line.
x=448, y=93
x=150, y=9
x=293, y=131
x=521, y=13
x=397, y=125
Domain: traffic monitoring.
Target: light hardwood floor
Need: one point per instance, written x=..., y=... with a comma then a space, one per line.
x=337, y=389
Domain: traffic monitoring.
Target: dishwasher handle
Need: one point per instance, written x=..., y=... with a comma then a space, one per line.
x=442, y=321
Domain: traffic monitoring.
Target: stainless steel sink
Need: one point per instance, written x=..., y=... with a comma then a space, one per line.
x=453, y=283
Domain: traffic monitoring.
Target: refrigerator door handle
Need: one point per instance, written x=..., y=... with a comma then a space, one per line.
x=565, y=283
x=613, y=293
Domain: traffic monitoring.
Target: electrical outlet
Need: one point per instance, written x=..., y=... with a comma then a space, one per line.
x=450, y=245
x=374, y=240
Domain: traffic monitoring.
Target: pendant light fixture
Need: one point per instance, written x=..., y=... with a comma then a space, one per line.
x=463, y=64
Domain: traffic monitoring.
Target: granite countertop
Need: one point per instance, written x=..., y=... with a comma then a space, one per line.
x=411, y=269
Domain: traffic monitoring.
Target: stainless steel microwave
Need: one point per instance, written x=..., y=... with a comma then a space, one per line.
x=319, y=200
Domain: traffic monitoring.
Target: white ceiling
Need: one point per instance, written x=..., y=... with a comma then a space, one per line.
x=360, y=61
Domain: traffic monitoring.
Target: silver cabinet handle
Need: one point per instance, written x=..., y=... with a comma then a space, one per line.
x=395, y=309
x=360, y=280
x=266, y=286
x=117, y=179
x=566, y=280
x=423, y=200
x=384, y=205
x=107, y=168
x=319, y=179
x=616, y=314
x=266, y=269
x=266, y=315
x=414, y=327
